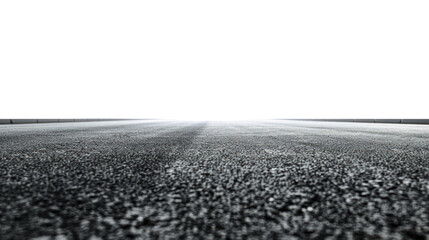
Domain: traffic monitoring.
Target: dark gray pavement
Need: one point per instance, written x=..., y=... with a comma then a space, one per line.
x=214, y=180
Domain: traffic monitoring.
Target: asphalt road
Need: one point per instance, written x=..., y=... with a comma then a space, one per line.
x=214, y=180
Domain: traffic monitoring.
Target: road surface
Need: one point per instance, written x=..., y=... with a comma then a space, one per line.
x=214, y=180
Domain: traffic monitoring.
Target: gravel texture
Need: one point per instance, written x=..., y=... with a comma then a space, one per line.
x=214, y=180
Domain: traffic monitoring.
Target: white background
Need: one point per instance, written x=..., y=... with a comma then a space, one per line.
x=221, y=59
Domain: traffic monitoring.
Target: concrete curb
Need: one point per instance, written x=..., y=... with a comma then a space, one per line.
x=5, y=121
x=365, y=120
x=395, y=121
x=22, y=121
x=388, y=120
x=415, y=121
x=46, y=120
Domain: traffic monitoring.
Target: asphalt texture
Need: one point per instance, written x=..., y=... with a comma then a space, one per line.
x=214, y=180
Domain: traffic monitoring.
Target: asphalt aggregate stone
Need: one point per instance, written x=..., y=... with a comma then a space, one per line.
x=214, y=180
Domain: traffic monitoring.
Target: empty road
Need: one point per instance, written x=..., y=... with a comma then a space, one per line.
x=214, y=180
